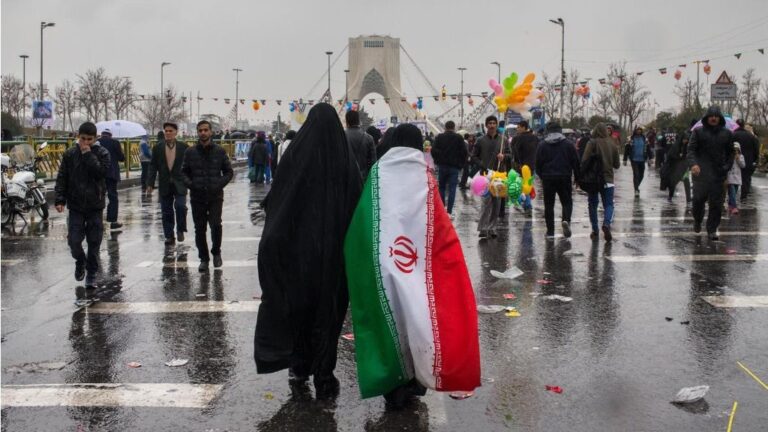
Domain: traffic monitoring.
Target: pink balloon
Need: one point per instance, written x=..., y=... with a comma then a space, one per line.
x=479, y=185
x=493, y=83
x=499, y=90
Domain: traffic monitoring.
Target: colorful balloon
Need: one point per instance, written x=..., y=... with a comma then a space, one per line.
x=479, y=185
x=529, y=78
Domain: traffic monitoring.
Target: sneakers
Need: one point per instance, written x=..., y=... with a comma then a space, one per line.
x=713, y=236
x=217, y=262
x=607, y=233
x=203, y=267
x=180, y=236
x=594, y=235
x=79, y=272
x=637, y=194
x=115, y=226
x=170, y=241
x=550, y=236
x=697, y=226
x=566, y=229
x=90, y=280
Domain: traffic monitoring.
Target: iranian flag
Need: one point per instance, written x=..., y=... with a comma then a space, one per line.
x=413, y=308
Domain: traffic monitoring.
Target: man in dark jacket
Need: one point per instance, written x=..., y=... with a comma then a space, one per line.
x=259, y=158
x=449, y=153
x=206, y=171
x=113, y=176
x=80, y=186
x=677, y=165
x=167, y=159
x=524, y=147
x=556, y=163
x=710, y=156
x=490, y=153
x=750, y=148
x=361, y=143
x=470, y=169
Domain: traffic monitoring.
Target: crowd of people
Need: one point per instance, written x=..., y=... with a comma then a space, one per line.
x=319, y=173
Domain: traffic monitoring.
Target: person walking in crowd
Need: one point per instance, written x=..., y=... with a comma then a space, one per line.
x=734, y=179
x=638, y=152
x=80, y=186
x=470, y=168
x=375, y=133
x=660, y=146
x=145, y=157
x=206, y=171
x=113, y=176
x=167, y=161
x=301, y=262
x=556, y=164
x=362, y=144
x=676, y=163
x=581, y=144
x=489, y=155
x=750, y=149
x=449, y=153
x=710, y=156
x=602, y=148
x=289, y=136
x=259, y=158
x=524, y=148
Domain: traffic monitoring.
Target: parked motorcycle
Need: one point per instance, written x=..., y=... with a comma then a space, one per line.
x=22, y=193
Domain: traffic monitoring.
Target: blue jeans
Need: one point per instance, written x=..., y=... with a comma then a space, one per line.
x=732, y=191
x=607, y=197
x=174, y=208
x=448, y=178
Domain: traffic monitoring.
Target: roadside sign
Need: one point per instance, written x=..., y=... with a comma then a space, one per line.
x=724, y=89
x=724, y=79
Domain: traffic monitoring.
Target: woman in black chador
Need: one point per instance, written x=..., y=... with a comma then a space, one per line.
x=301, y=261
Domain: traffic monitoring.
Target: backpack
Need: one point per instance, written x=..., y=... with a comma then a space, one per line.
x=592, y=177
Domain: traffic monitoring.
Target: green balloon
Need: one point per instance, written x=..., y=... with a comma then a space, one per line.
x=508, y=84
x=512, y=79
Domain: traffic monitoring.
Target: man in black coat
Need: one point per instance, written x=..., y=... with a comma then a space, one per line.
x=113, y=175
x=167, y=159
x=710, y=156
x=750, y=148
x=556, y=164
x=361, y=143
x=524, y=147
x=206, y=171
x=449, y=153
x=80, y=186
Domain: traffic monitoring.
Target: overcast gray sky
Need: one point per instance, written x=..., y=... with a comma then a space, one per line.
x=280, y=44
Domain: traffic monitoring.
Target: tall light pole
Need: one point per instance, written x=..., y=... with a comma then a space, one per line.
x=162, y=85
x=461, y=97
x=498, y=65
x=561, y=23
x=24, y=58
x=43, y=26
x=329, y=53
x=346, y=85
x=237, y=92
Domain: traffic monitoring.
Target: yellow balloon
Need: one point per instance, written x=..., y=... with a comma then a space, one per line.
x=526, y=189
x=526, y=173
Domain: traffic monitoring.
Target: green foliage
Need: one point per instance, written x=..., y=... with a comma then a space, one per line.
x=9, y=122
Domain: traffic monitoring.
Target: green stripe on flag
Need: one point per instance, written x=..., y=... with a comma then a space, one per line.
x=380, y=366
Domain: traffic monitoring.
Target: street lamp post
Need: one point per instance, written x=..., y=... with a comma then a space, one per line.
x=561, y=23
x=43, y=26
x=498, y=65
x=346, y=85
x=461, y=98
x=237, y=92
x=24, y=58
x=329, y=53
x=162, y=85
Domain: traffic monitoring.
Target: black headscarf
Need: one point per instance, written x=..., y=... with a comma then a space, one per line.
x=385, y=144
x=375, y=133
x=301, y=262
x=408, y=135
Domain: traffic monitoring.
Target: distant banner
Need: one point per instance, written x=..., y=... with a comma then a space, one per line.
x=42, y=110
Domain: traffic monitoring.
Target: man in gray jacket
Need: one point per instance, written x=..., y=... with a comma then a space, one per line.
x=489, y=154
x=361, y=143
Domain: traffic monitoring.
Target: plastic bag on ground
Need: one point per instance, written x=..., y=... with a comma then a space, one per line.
x=490, y=308
x=510, y=273
x=690, y=394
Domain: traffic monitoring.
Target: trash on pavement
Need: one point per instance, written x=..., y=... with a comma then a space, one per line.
x=176, y=362
x=558, y=297
x=544, y=281
x=690, y=394
x=460, y=395
x=685, y=322
x=510, y=296
x=510, y=273
x=269, y=396
x=490, y=308
x=348, y=336
x=573, y=253
x=201, y=295
x=134, y=364
x=668, y=318
x=554, y=389
x=512, y=313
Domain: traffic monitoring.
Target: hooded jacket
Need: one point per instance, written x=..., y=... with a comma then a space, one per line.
x=605, y=146
x=557, y=158
x=711, y=148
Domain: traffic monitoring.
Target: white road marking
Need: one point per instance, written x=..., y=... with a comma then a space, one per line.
x=111, y=395
x=616, y=219
x=189, y=264
x=684, y=258
x=736, y=301
x=11, y=262
x=173, y=307
x=664, y=234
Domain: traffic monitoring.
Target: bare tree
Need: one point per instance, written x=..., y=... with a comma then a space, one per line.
x=12, y=96
x=65, y=100
x=686, y=92
x=601, y=101
x=93, y=93
x=551, y=102
x=761, y=106
x=629, y=99
x=749, y=93
x=574, y=103
x=121, y=90
x=154, y=110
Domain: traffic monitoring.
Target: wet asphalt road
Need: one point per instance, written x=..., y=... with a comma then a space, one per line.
x=617, y=358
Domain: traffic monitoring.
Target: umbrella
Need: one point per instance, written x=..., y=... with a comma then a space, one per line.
x=729, y=123
x=121, y=128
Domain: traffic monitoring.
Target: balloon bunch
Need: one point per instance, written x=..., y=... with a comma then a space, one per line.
x=256, y=105
x=418, y=105
x=291, y=107
x=528, y=189
x=582, y=91
x=479, y=185
x=519, y=97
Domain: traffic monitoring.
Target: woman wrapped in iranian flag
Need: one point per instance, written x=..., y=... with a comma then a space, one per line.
x=413, y=307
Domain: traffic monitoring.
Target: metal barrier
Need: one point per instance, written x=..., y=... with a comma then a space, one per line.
x=51, y=156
